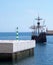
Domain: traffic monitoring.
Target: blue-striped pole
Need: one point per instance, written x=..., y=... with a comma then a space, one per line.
x=17, y=33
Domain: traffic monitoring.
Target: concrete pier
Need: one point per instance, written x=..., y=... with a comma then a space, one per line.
x=16, y=49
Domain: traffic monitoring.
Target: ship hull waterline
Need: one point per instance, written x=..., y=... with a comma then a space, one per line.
x=41, y=38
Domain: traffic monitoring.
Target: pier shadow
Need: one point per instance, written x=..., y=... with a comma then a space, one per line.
x=24, y=61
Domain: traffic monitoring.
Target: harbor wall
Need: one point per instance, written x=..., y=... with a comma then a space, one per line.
x=11, y=50
x=49, y=32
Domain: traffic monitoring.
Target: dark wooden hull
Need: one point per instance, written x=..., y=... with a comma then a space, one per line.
x=41, y=38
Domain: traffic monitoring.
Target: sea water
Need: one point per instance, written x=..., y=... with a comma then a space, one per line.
x=43, y=53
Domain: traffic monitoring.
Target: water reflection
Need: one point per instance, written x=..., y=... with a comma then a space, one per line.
x=40, y=54
x=26, y=61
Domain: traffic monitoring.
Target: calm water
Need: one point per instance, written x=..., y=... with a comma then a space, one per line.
x=43, y=54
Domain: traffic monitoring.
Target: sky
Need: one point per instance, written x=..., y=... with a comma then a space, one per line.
x=22, y=14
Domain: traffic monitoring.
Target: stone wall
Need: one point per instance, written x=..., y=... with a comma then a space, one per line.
x=16, y=56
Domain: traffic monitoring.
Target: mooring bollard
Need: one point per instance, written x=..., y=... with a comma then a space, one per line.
x=17, y=33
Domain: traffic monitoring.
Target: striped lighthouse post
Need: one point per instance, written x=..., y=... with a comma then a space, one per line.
x=17, y=33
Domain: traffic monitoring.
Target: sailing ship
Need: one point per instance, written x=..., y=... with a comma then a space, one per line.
x=38, y=33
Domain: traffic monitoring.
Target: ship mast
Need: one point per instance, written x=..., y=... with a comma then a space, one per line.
x=38, y=23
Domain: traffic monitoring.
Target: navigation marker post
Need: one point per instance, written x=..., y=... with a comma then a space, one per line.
x=17, y=33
